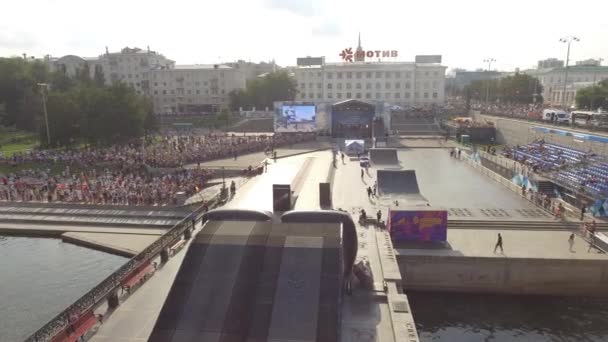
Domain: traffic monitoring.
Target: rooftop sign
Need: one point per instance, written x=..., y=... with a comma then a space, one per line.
x=348, y=54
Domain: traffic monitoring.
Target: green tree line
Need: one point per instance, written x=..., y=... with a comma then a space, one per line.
x=81, y=109
x=263, y=91
x=518, y=88
x=593, y=97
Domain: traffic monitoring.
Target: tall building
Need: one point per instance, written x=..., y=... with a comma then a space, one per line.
x=550, y=63
x=400, y=83
x=359, y=54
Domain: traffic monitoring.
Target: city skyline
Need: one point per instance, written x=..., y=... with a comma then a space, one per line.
x=464, y=34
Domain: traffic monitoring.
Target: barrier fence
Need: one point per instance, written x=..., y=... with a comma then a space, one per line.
x=112, y=283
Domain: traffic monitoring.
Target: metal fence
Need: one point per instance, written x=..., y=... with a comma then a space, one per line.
x=113, y=282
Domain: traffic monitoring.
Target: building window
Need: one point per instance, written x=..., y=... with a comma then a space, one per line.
x=388, y=85
x=426, y=95
x=330, y=95
x=222, y=74
x=378, y=85
x=426, y=84
x=330, y=86
x=156, y=84
x=407, y=95
x=330, y=75
x=172, y=92
x=198, y=92
x=358, y=85
x=397, y=74
x=156, y=92
x=339, y=95
x=358, y=95
x=368, y=95
x=197, y=84
x=407, y=85
x=348, y=86
x=339, y=85
x=387, y=74
x=416, y=95
x=378, y=74
x=310, y=85
x=434, y=95
x=368, y=86
x=205, y=83
x=189, y=92
x=319, y=96
x=387, y=95
x=368, y=74
x=319, y=85
x=318, y=74
x=358, y=74
x=311, y=95
x=426, y=73
x=349, y=95
x=302, y=85
x=164, y=84
x=435, y=73
x=397, y=95
x=377, y=95
x=349, y=74
x=164, y=92
x=339, y=74
x=434, y=84
x=397, y=85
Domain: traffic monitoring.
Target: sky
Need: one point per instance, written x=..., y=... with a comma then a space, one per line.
x=516, y=33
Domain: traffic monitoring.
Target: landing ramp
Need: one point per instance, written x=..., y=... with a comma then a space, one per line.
x=383, y=157
x=399, y=183
x=256, y=281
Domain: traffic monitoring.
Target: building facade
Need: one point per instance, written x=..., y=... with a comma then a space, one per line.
x=193, y=89
x=398, y=83
x=552, y=80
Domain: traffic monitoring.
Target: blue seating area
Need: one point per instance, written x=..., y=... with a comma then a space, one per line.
x=546, y=156
x=592, y=177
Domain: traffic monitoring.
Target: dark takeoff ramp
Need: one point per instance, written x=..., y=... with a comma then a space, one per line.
x=256, y=281
x=383, y=157
x=399, y=183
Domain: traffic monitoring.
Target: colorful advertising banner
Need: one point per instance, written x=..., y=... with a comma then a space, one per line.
x=418, y=225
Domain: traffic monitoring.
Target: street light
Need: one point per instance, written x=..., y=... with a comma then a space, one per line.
x=569, y=41
x=489, y=61
x=44, y=87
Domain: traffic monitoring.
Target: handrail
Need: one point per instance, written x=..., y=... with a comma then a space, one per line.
x=112, y=282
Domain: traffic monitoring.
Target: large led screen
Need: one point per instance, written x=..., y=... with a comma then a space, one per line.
x=295, y=118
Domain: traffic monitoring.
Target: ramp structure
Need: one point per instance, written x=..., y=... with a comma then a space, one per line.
x=399, y=183
x=256, y=281
x=383, y=157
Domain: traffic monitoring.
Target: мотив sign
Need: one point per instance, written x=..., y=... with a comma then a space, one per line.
x=348, y=54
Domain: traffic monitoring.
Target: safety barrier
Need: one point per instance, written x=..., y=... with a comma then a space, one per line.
x=113, y=282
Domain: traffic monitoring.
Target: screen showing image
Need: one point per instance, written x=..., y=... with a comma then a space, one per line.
x=295, y=118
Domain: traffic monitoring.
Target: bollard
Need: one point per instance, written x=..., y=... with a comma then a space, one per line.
x=187, y=234
x=113, y=301
x=164, y=255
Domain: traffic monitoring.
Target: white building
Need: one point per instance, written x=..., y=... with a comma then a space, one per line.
x=400, y=83
x=552, y=80
x=193, y=89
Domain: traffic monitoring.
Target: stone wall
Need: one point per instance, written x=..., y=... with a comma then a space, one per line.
x=513, y=132
x=505, y=275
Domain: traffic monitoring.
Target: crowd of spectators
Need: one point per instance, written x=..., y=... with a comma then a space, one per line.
x=131, y=174
x=515, y=110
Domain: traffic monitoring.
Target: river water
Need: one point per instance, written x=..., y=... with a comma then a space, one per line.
x=41, y=277
x=502, y=318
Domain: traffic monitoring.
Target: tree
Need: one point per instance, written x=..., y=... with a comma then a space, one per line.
x=263, y=92
x=224, y=117
x=593, y=97
x=518, y=88
x=99, y=78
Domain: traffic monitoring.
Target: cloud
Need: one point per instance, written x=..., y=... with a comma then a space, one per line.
x=298, y=7
x=12, y=39
x=327, y=28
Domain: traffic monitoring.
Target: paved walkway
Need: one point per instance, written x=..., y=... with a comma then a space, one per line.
x=75, y=211
x=122, y=244
x=57, y=229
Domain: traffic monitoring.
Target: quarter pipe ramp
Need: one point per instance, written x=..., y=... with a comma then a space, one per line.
x=399, y=183
x=383, y=157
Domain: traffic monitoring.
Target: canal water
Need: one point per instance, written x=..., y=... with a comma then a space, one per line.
x=40, y=277
x=502, y=318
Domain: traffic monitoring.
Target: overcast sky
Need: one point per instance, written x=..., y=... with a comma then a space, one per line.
x=516, y=33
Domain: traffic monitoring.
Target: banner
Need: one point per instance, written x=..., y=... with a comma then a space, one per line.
x=418, y=225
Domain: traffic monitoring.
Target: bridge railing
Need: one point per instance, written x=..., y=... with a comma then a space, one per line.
x=112, y=283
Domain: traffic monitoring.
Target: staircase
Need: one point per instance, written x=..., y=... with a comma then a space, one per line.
x=547, y=188
x=415, y=126
x=254, y=125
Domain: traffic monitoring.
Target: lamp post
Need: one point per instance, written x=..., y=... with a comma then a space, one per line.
x=44, y=87
x=489, y=61
x=568, y=40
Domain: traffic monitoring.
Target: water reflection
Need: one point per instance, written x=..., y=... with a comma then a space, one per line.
x=475, y=317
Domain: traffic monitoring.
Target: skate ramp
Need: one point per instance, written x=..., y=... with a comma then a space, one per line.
x=399, y=184
x=383, y=157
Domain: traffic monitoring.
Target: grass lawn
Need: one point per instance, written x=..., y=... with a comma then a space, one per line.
x=15, y=141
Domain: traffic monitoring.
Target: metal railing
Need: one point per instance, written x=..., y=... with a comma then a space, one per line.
x=113, y=282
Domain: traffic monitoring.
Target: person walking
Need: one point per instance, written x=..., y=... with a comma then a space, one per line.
x=362, y=173
x=375, y=188
x=571, y=241
x=499, y=244
x=379, y=216
x=369, y=192
x=342, y=156
x=583, y=211
x=459, y=152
